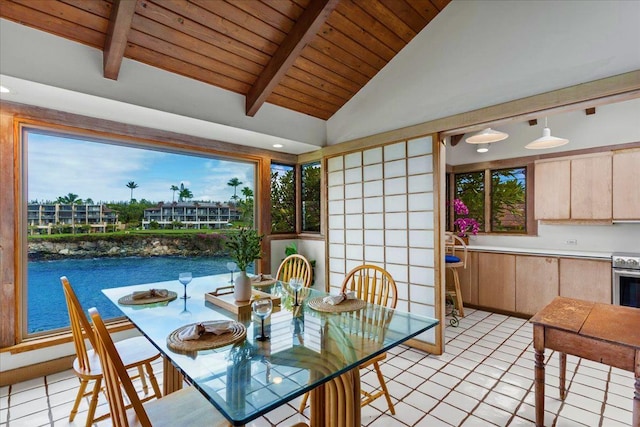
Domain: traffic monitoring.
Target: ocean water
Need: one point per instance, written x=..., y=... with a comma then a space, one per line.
x=46, y=307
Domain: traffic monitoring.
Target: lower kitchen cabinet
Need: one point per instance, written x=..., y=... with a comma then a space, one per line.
x=536, y=282
x=496, y=281
x=585, y=279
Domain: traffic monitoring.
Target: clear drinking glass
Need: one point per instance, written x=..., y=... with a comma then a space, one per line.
x=231, y=266
x=296, y=284
x=262, y=308
x=185, y=278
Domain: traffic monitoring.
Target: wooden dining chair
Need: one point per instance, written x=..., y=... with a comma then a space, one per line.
x=374, y=285
x=186, y=407
x=135, y=352
x=455, y=258
x=295, y=265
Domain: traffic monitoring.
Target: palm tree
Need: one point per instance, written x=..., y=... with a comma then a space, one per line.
x=235, y=183
x=174, y=188
x=132, y=185
x=247, y=193
x=184, y=193
x=69, y=199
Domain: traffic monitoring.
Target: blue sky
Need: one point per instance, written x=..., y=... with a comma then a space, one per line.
x=58, y=166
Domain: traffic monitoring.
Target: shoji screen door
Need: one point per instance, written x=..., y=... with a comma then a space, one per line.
x=383, y=209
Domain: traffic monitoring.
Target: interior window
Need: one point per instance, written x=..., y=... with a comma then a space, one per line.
x=469, y=188
x=311, y=197
x=508, y=200
x=109, y=214
x=283, y=199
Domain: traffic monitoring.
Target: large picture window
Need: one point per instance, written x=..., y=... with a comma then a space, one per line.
x=109, y=214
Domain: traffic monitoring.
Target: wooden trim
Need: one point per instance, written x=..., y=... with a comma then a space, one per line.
x=438, y=149
x=303, y=31
x=36, y=370
x=597, y=92
x=519, y=161
x=50, y=340
x=116, y=38
x=114, y=131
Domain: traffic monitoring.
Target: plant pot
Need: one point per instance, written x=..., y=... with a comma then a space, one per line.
x=242, y=287
x=465, y=239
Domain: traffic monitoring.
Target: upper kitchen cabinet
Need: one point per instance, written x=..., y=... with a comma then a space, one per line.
x=553, y=189
x=574, y=188
x=626, y=184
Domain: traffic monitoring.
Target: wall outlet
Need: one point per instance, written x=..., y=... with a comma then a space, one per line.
x=571, y=242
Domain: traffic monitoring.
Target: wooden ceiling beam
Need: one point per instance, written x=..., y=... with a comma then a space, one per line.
x=117, y=36
x=303, y=31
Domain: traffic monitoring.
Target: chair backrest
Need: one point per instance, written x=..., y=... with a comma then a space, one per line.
x=453, y=242
x=372, y=284
x=116, y=376
x=295, y=266
x=80, y=326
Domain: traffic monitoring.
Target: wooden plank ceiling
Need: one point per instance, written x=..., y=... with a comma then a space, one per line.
x=309, y=56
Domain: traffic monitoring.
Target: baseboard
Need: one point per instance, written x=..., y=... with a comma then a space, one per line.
x=25, y=373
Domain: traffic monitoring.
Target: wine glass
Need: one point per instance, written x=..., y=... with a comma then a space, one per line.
x=296, y=284
x=262, y=308
x=185, y=278
x=231, y=266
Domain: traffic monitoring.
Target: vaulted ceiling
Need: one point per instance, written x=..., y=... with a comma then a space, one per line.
x=310, y=56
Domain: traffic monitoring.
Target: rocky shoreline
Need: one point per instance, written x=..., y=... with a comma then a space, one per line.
x=124, y=247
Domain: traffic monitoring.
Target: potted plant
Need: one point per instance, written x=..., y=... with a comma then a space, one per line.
x=464, y=224
x=244, y=247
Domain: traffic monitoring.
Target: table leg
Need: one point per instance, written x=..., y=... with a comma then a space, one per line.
x=171, y=378
x=538, y=345
x=337, y=403
x=563, y=375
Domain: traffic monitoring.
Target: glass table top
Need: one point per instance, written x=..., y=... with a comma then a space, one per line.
x=306, y=347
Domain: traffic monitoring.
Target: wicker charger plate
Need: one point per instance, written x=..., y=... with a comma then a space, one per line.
x=347, y=305
x=128, y=299
x=207, y=341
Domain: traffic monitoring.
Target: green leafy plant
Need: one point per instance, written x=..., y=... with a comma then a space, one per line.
x=244, y=247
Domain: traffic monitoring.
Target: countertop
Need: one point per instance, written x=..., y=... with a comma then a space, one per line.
x=536, y=251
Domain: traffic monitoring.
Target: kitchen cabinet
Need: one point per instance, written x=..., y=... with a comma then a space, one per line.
x=586, y=279
x=574, y=188
x=591, y=187
x=536, y=282
x=496, y=281
x=552, y=189
x=626, y=184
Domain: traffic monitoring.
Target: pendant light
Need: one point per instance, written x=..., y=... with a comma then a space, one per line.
x=482, y=148
x=486, y=136
x=546, y=141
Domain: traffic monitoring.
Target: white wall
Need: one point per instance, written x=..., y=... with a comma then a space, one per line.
x=310, y=249
x=612, y=124
x=481, y=53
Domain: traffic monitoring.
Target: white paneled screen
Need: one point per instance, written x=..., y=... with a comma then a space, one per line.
x=380, y=209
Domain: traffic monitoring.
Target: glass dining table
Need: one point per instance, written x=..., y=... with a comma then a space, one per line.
x=309, y=350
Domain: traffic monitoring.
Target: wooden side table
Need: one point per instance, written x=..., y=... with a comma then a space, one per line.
x=604, y=333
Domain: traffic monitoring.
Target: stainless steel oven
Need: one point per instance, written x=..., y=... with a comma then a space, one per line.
x=626, y=279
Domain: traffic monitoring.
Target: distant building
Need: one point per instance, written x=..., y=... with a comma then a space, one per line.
x=46, y=216
x=192, y=215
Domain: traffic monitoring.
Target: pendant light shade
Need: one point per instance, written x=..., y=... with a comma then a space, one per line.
x=546, y=141
x=486, y=136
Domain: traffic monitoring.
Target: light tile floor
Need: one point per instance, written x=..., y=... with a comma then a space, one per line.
x=485, y=378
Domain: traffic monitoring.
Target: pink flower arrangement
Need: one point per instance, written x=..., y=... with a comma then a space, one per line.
x=464, y=224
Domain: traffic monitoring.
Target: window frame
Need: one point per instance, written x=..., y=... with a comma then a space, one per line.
x=531, y=225
x=302, y=166
x=23, y=340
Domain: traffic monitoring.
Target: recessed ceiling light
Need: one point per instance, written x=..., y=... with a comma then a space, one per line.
x=4, y=89
x=278, y=145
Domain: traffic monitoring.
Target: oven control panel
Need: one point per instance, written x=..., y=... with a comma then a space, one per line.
x=628, y=261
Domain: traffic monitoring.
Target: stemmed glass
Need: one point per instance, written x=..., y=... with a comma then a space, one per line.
x=231, y=266
x=185, y=278
x=296, y=284
x=262, y=308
